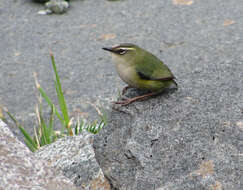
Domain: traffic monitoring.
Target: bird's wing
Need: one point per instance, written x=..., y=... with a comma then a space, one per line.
x=153, y=69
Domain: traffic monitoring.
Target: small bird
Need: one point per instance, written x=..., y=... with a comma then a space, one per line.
x=140, y=69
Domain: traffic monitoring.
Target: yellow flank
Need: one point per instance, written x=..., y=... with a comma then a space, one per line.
x=151, y=85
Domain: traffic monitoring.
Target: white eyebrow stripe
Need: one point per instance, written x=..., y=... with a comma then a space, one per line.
x=127, y=48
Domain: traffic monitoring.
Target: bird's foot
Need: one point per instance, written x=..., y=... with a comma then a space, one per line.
x=131, y=100
x=123, y=103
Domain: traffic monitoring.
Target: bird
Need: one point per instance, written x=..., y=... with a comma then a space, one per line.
x=140, y=69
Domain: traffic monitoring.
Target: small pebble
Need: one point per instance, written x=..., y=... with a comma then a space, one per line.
x=57, y=6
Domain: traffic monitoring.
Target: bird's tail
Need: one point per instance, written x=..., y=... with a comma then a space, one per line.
x=173, y=85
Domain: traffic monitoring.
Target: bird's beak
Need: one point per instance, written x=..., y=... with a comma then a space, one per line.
x=108, y=49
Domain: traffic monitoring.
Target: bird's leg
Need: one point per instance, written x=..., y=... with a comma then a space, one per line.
x=125, y=89
x=130, y=100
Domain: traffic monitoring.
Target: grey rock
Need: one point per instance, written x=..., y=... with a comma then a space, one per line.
x=56, y=6
x=172, y=142
x=21, y=169
x=76, y=158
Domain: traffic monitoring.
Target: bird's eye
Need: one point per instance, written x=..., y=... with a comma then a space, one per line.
x=122, y=51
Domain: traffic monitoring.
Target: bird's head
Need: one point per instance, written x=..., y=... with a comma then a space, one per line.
x=124, y=52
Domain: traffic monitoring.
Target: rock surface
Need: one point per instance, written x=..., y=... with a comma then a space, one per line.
x=178, y=141
x=76, y=158
x=21, y=169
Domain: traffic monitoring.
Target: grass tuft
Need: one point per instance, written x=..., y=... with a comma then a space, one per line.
x=44, y=133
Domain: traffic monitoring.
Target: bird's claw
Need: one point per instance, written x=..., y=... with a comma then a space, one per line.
x=130, y=100
x=123, y=103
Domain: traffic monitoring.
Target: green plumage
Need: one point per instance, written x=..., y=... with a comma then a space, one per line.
x=151, y=67
x=141, y=69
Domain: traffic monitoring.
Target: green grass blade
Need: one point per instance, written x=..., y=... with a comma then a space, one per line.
x=12, y=118
x=81, y=126
x=41, y=130
x=63, y=109
x=29, y=141
x=42, y=137
x=48, y=100
x=45, y=132
x=76, y=129
x=30, y=146
x=100, y=126
x=50, y=127
x=45, y=135
x=36, y=139
x=91, y=128
x=60, y=95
